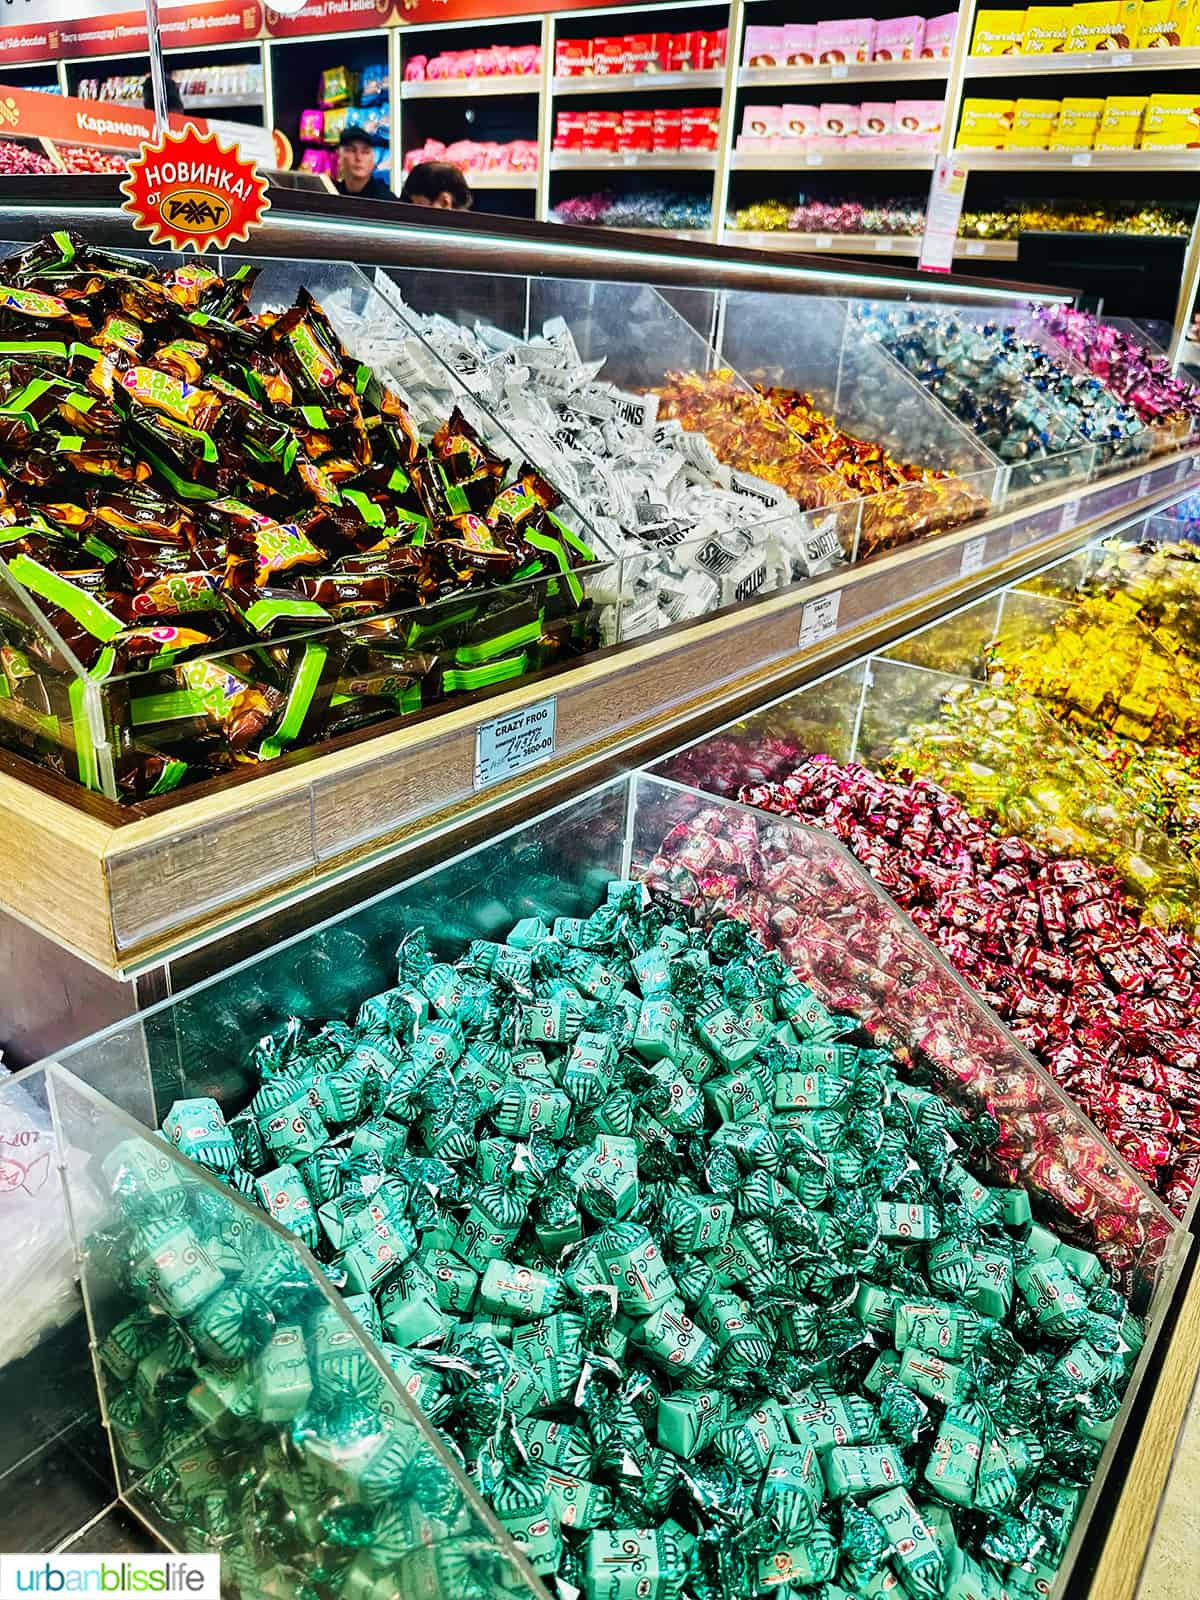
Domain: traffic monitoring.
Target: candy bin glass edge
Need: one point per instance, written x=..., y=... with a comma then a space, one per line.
x=247, y=1410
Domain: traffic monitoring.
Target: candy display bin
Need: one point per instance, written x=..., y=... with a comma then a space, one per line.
x=814, y=347
x=347, y=1473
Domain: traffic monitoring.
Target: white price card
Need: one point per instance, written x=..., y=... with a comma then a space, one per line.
x=972, y=556
x=818, y=620
x=839, y=70
x=883, y=245
x=814, y=158
x=1070, y=516
x=946, y=191
x=823, y=241
x=1082, y=158
x=974, y=247
x=1120, y=58
x=509, y=745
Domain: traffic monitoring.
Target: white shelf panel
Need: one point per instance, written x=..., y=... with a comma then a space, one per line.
x=633, y=161
x=1072, y=61
x=221, y=102
x=865, y=244
x=843, y=72
x=777, y=161
x=502, y=180
x=472, y=88
x=1064, y=160
x=639, y=82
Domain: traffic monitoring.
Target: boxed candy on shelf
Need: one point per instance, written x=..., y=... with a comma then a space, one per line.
x=374, y=85
x=415, y=70
x=568, y=130
x=674, y=52
x=1033, y=123
x=1121, y=125
x=668, y=122
x=899, y=38
x=799, y=122
x=800, y=44
x=998, y=33
x=1103, y=25
x=1078, y=124
x=637, y=130
x=985, y=124
x=698, y=127
x=641, y=52
x=1046, y=30
x=939, y=37
x=762, y=122
x=918, y=123
x=608, y=56
x=312, y=125
x=876, y=120
x=1171, y=122
x=600, y=130
x=1163, y=24
x=837, y=121
x=338, y=86
x=334, y=123
x=850, y=40
x=573, y=58
x=764, y=47
x=708, y=48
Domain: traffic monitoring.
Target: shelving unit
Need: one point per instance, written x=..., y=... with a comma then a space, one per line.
x=634, y=161
x=828, y=74
x=860, y=244
x=473, y=88
x=623, y=83
x=1174, y=161
x=1071, y=62
x=835, y=160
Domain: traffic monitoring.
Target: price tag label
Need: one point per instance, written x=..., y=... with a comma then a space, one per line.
x=974, y=247
x=1185, y=468
x=823, y=241
x=814, y=158
x=1120, y=58
x=972, y=556
x=512, y=744
x=883, y=245
x=1070, y=516
x=1082, y=158
x=839, y=70
x=818, y=620
x=630, y=157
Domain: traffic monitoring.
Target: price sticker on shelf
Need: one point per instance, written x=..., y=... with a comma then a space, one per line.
x=1186, y=467
x=1070, y=516
x=509, y=745
x=1082, y=158
x=882, y=246
x=814, y=158
x=839, y=70
x=1120, y=58
x=974, y=247
x=819, y=618
x=822, y=241
x=972, y=556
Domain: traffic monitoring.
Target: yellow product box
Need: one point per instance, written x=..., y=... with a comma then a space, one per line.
x=1046, y=30
x=1104, y=25
x=1171, y=122
x=985, y=124
x=1078, y=124
x=1191, y=29
x=1033, y=123
x=998, y=33
x=1163, y=24
x=1121, y=123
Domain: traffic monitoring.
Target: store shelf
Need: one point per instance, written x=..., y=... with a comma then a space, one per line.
x=639, y=82
x=843, y=72
x=1064, y=160
x=691, y=235
x=837, y=161
x=473, y=88
x=865, y=244
x=222, y=102
x=1073, y=61
x=146, y=886
x=633, y=160
x=502, y=180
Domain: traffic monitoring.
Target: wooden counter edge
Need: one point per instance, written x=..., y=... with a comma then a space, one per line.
x=1119, y=1571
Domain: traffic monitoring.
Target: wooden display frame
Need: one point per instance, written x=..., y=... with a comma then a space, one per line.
x=126, y=889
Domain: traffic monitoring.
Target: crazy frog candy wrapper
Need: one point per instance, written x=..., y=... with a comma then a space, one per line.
x=704, y=1288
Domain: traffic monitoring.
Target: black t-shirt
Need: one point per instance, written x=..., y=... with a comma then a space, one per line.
x=373, y=189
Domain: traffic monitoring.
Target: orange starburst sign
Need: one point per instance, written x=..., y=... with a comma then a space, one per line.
x=190, y=191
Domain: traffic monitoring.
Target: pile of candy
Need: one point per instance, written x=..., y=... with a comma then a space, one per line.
x=907, y=501
x=1158, y=221
x=1104, y=1000
x=1028, y=409
x=695, y=1280
x=655, y=209
x=183, y=476
x=86, y=158
x=903, y=215
x=17, y=160
x=1130, y=368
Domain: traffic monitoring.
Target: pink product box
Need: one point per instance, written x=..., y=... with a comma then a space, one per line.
x=899, y=38
x=939, y=37
x=799, y=44
x=762, y=122
x=764, y=47
x=837, y=121
x=918, y=123
x=799, y=122
x=876, y=120
x=851, y=40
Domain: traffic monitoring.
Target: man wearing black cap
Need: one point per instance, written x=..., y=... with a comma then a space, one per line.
x=356, y=168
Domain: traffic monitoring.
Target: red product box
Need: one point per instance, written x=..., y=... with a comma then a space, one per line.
x=698, y=127
x=600, y=130
x=568, y=130
x=637, y=131
x=608, y=57
x=708, y=48
x=667, y=128
x=675, y=52
x=573, y=58
x=641, y=52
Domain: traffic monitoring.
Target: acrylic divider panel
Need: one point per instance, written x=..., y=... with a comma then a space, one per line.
x=918, y=1057
x=919, y=470
x=248, y=1410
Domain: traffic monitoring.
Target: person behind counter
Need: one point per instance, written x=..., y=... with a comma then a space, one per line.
x=358, y=152
x=174, y=98
x=439, y=184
